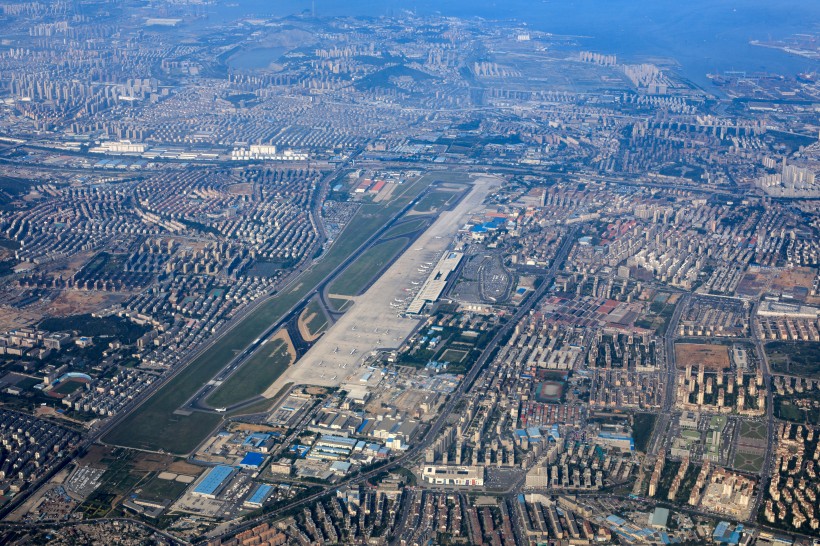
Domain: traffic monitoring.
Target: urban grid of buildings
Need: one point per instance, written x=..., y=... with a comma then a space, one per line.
x=401, y=280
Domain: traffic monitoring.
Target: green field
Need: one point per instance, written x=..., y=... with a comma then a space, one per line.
x=800, y=408
x=155, y=426
x=156, y=489
x=360, y=273
x=118, y=479
x=453, y=355
x=435, y=200
x=642, y=427
x=405, y=228
x=339, y=304
x=748, y=462
x=67, y=387
x=255, y=375
x=318, y=322
x=263, y=405
x=795, y=357
x=90, y=326
x=659, y=314
x=753, y=430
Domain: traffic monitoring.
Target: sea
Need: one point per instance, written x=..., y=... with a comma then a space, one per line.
x=702, y=36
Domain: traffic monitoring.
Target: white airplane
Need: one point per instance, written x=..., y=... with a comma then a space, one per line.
x=336, y=350
x=353, y=351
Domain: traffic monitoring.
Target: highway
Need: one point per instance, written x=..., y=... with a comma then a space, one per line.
x=659, y=440
x=768, y=464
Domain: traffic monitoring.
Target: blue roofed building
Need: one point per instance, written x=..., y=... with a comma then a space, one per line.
x=724, y=534
x=618, y=440
x=534, y=433
x=214, y=481
x=259, y=496
x=256, y=439
x=252, y=460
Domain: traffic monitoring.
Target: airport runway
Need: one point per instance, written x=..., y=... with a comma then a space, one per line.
x=375, y=321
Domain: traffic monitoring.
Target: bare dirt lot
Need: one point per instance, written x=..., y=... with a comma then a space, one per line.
x=181, y=467
x=713, y=357
x=79, y=302
x=94, y=456
x=799, y=277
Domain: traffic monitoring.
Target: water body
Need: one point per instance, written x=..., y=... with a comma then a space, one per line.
x=704, y=36
x=260, y=57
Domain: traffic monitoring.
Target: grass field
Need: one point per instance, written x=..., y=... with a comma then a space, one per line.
x=453, y=355
x=748, y=462
x=118, y=479
x=753, y=430
x=256, y=375
x=156, y=489
x=642, y=427
x=340, y=304
x=659, y=314
x=88, y=325
x=155, y=426
x=317, y=322
x=802, y=408
x=264, y=404
x=435, y=200
x=353, y=280
x=795, y=357
x=67, y=387
x=405, y=228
